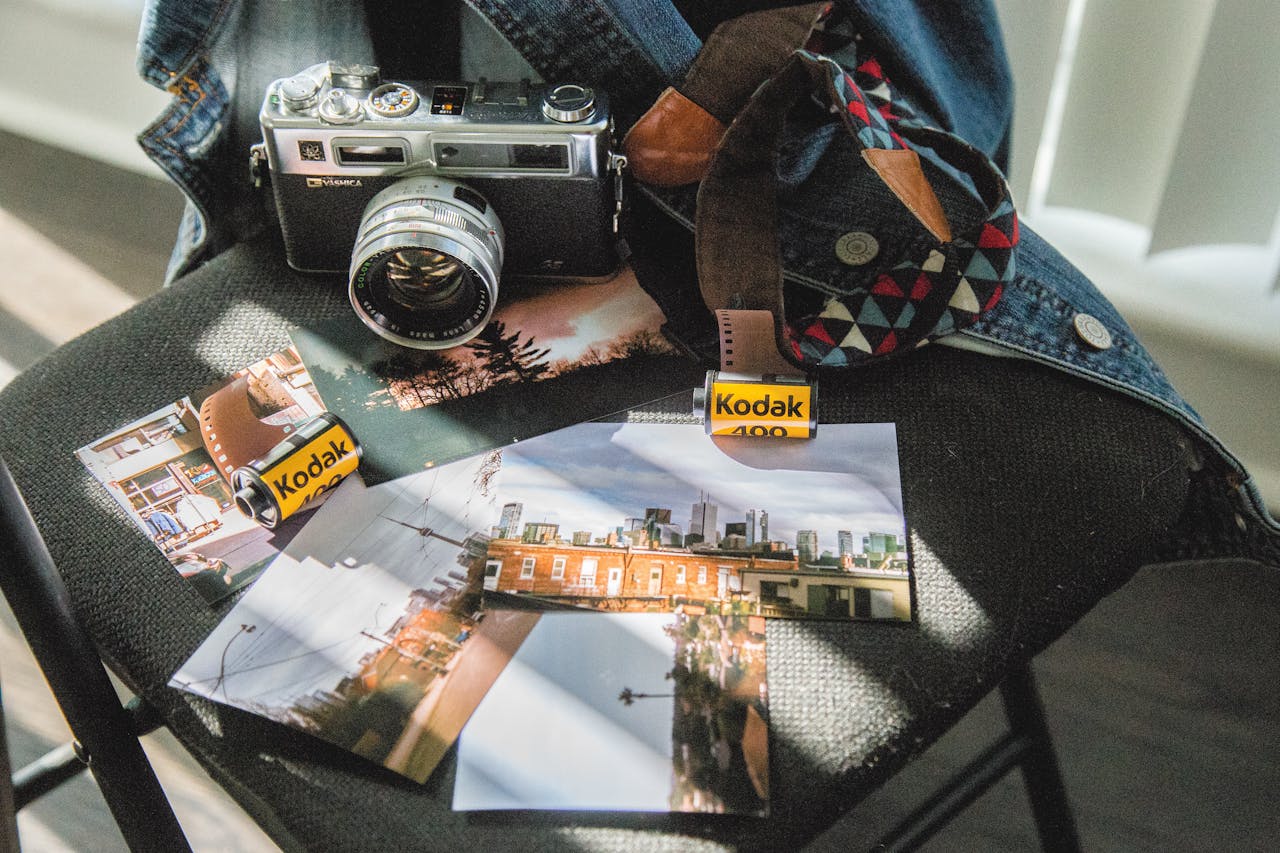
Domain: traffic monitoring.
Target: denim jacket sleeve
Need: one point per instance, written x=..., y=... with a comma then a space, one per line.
x=215, y=58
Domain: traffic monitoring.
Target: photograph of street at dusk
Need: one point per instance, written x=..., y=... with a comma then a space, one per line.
x=661, y=517
x=367, y=632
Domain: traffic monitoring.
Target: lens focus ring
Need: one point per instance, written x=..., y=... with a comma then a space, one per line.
x=425, y=267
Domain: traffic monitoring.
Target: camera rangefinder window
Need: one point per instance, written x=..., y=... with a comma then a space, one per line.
x=502, y=156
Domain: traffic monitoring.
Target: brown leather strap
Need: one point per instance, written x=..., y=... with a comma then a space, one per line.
x=736, y=229
x=672, y=144
x=900, y=170
x=743, y=51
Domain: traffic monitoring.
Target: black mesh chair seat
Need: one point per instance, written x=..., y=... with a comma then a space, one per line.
x=1029, y=496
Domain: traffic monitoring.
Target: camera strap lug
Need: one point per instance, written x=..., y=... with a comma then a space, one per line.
x=617, y=164
x=257, y=162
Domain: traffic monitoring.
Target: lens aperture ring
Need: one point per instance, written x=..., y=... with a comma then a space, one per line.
x=404, y=211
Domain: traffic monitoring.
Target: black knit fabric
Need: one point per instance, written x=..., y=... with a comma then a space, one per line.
x=1029, y=496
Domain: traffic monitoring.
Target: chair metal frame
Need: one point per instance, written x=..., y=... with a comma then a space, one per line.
x=8, y=808
x=106, y=733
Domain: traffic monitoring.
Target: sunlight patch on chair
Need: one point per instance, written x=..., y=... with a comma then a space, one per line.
x=947, y=612
x=215, y=342
x=7, y=372
x=59, y=296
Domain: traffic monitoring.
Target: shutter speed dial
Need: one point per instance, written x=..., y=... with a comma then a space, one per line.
x=393, y=100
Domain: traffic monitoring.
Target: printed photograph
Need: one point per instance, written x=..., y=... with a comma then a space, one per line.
x=662, y=517
x=170, y=471
x=624, y=712
x=391, y=614
x=366, y=631
x=592, y=349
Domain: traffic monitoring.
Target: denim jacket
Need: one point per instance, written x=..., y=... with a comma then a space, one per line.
x=922, y=75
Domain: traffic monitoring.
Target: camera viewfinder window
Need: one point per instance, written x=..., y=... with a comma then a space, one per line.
x=540, y=157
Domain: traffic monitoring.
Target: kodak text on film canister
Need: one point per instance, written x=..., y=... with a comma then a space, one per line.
x=767, y=406
x=310, y=462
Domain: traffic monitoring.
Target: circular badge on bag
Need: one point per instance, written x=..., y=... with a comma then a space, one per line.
x=857, y=248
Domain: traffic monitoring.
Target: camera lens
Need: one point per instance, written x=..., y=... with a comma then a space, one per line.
x=421, y=279
x=424, y=270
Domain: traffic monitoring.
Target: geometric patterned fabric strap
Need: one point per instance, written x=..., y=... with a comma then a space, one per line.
x=947, y=286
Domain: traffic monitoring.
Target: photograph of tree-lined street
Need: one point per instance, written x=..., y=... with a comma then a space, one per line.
x=719, y=732
x=553, y=355
x=368, y=632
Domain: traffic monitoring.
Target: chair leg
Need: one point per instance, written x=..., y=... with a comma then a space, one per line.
x=8, y=811
x=34, y=589
x=1054, y=819
x=1027, y=745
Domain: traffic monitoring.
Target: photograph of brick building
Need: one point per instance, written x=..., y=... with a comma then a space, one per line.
x=657, y=580
x=768, y=540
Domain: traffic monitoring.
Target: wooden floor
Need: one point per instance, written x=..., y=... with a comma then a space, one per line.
x=1163, y=702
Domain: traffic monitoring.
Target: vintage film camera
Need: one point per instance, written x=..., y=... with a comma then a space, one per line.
x=403, y=184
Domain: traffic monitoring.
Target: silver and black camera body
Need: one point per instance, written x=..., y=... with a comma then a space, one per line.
x=427, y=192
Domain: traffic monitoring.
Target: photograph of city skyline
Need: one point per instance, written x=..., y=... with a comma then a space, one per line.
x=654, y=517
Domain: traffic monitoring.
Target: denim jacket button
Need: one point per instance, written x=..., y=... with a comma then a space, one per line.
x=1092, y=332
x=857, y=248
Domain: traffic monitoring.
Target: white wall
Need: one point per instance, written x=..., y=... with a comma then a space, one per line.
x=1135, y=158
x=67, y=77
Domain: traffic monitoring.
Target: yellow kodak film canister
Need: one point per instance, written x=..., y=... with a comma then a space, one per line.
x=759, y=406
x=310, y=462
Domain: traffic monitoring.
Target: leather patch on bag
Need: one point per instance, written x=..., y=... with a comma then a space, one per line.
x=900, y=170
